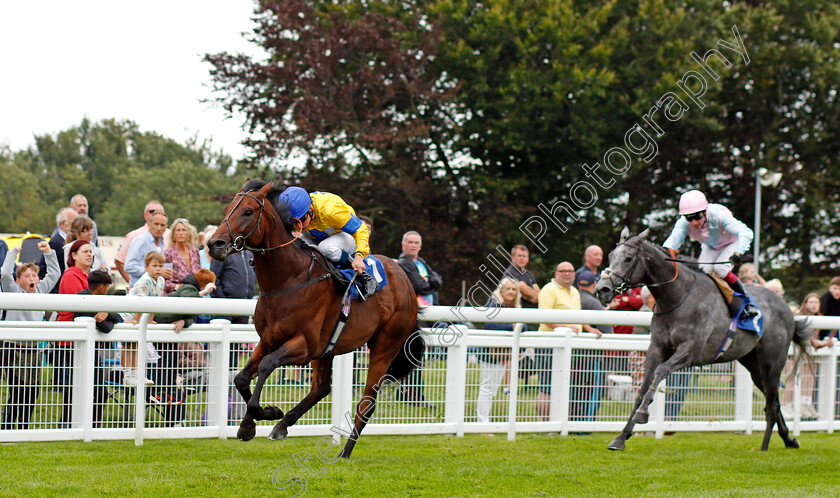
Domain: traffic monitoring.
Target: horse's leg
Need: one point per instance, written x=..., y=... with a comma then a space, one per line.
x=652, y=360
x=681, y=358
x=293, y=352
x=766, y=377
x=242, y=381
x=379, y=362
x=321, y=379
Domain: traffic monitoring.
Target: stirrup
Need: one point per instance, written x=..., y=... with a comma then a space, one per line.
x=749, y=311
x=366, y=284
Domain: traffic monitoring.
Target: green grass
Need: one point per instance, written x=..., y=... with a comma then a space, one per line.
x=710, y=464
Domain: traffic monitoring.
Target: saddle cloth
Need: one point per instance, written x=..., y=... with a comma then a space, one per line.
x=374, y=268
x=736, y=303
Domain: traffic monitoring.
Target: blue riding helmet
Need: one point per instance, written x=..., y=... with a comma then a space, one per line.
x=298, y=200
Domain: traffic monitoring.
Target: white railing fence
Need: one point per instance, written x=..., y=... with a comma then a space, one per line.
x=61, y=380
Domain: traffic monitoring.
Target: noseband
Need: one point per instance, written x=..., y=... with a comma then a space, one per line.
x=238, y=243
x=625, y=284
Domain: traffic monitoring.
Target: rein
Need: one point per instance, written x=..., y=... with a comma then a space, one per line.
x=239, y=244
x=625, y=285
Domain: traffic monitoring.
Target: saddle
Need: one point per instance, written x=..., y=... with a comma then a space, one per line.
x=735, y=303
x=364, y=284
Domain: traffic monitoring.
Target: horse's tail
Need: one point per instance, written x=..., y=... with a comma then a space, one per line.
x=803, y=331
x=410, y=355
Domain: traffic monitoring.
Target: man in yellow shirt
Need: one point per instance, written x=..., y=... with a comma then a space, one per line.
x=559, y=293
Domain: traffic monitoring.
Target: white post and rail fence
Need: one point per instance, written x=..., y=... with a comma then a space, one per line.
x=62, y=380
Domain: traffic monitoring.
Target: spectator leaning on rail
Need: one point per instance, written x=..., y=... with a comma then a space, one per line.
x=559, y=293
x=166, y=390
x=722, y=237
x=22, y=359
x=491, y=361
x=98, y=284
x=587, y=366
x=426, y=283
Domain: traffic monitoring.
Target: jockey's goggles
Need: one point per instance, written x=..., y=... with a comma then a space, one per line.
x=695, y=216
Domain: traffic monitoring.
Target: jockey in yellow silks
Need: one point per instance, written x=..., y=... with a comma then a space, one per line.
x=331, y=224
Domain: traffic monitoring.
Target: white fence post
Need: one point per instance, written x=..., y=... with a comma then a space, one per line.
x=561, y=381
x=743, y=397
x=514, y=381
x=456, y=378
x=219, y=380
x=828, y=388
x=83, y=386
x=342, y=393
x=140, y=388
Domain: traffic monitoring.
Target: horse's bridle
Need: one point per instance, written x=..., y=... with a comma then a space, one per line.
x=239, y=243
x=626, y=285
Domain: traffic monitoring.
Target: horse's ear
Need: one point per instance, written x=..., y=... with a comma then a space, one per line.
x=265, y=189
x=625, y=234
x=644, y=235
x=242, y=189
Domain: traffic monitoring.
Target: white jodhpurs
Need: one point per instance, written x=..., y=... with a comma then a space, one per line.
x=490, y=379
x=334, y=246
x=712, y=255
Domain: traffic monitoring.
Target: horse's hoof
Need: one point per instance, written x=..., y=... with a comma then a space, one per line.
x=278, y=433
x=246, y=431
x=794, y=444
x=617, y=444
x=273, y=413
x=641, y=417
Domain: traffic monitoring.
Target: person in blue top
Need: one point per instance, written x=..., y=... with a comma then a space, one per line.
x=722, y=237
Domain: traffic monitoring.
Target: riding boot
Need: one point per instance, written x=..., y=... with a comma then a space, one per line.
x=366, y=284
x=749, y=309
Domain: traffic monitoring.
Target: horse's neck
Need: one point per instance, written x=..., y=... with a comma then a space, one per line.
x=277, y=268
x=659, y=271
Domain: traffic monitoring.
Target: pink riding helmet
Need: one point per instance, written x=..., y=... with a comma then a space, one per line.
x=693, y=201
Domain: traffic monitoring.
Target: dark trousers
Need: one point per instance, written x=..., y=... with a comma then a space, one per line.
x=21, y=364
x=164, y=374
x=63, y=380
x=584, y=379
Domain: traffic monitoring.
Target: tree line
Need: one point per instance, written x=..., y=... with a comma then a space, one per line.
x=463, y=119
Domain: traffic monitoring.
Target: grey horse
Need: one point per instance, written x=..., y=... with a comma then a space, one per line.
x=690, y=324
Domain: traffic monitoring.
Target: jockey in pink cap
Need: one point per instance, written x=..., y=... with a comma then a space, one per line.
x=722, y=237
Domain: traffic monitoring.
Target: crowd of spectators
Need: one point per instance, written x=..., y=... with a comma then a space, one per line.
x=161, y=258
x=157, y=260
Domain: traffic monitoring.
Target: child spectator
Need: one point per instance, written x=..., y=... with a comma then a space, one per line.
x=22, y=359
x=149, y=284
x=98, y=284
x=168, y=390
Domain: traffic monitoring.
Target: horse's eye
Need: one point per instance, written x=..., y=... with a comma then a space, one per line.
x=628, y=259
x=248, y=212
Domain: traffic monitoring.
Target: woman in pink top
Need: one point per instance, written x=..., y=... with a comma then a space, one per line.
x=182, y=252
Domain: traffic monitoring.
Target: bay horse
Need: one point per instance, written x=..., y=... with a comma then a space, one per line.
x=689, y=326
x=299, y=307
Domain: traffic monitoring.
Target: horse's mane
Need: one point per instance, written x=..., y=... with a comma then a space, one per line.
x=689, y=263
x=282, y=208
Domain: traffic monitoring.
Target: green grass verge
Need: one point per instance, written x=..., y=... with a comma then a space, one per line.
x=689, y=464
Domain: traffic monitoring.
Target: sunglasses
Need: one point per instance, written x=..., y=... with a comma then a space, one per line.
x=695, y=216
